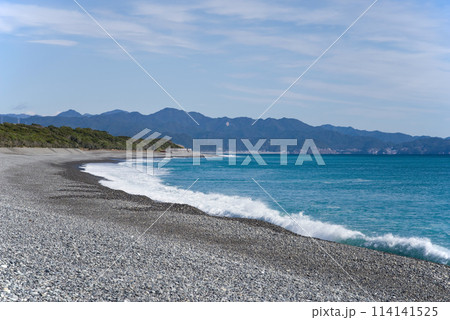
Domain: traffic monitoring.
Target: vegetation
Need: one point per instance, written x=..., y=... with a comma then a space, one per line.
x=22, y=135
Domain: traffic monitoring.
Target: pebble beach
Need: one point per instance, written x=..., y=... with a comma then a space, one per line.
x=65, y=237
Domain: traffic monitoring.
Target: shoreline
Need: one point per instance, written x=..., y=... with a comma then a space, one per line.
x=261, y=222
x=218, y=258
x=214, y=203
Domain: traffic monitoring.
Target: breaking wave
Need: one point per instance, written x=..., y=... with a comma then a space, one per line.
x=122, y=177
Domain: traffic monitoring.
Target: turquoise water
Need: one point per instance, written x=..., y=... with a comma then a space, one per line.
x=398, y=204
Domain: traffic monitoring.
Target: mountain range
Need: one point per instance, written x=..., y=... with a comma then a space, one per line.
x=178, y=125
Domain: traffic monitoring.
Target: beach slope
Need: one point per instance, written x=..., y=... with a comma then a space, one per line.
x=64, y=237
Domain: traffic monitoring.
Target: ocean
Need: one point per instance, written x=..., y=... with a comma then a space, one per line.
x=397, y=204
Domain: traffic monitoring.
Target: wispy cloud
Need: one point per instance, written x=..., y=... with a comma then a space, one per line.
x=397, y=55
x=56, y=42
x=302, y=13
x=39, y=19
x=34, y=20
x=20, y=107
x=267, y=94
x=168, y=12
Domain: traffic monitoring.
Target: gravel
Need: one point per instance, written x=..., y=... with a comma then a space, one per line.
x=64, y=237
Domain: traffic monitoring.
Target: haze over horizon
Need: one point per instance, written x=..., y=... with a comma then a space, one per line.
x=390, y=72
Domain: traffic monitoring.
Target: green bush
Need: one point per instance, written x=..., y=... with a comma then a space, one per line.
x=21, y=135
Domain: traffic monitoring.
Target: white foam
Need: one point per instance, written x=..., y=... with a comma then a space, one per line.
x=230, y=156
x=123, y=177
x=413, y=246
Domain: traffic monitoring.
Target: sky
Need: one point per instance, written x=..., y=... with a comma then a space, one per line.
x=389, y=72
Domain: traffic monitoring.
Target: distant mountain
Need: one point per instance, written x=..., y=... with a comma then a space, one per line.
x=17, y=116
x=425, y=145
x=177, y=124
x=116, y=111
x=70, y=114
x=383, y=136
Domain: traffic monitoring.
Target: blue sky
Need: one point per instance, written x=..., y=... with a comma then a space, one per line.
x=390, y=72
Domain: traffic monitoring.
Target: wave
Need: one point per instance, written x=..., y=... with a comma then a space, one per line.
x=123, y=177
x=230, y=156
x=358, y=180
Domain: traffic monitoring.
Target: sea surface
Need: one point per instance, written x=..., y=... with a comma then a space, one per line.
x=397, y=204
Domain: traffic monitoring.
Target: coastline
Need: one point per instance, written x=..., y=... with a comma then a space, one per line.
x=185, y=255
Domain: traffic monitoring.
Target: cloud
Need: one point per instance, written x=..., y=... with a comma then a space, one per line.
x=304, y=45
x=56, y=42
x=168, y=12
x=271, y=94
x=302, y=13
x=37, y=21
x=397, y=54
x=23, y=108
x=250, y=10
x=19, y=107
